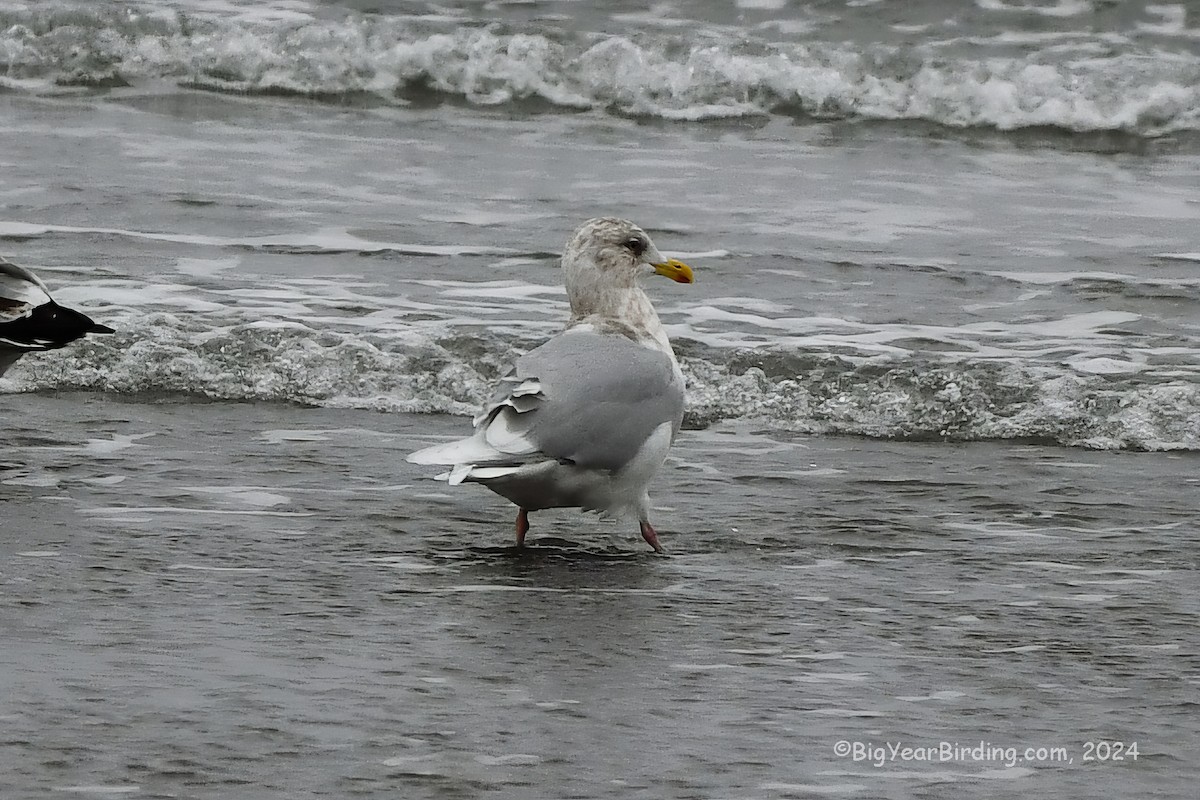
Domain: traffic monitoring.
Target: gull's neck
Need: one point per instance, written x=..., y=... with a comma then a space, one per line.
x=622, y=309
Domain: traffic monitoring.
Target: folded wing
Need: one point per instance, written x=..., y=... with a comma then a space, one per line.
x=582, y=398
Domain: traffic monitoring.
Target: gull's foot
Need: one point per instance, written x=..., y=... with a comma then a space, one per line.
x=651, y=537
x=522, y=526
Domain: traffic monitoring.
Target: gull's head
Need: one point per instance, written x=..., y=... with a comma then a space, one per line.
x=620, y=252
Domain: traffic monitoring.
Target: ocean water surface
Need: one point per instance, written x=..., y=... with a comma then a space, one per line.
x=938, y=482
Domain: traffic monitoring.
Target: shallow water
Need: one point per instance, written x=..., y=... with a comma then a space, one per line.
x=340, y=626
x=938, y=476
x=863, y=284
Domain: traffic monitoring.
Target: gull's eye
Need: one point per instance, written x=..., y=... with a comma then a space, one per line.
x=637, y=244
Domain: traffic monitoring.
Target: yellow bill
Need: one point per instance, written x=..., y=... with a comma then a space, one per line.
x=675, y=270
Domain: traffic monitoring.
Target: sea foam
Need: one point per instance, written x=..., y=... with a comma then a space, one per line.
x=1118, y=86
x=951, y=397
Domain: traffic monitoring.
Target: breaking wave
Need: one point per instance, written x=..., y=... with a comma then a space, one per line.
x=793, y=390
x=1097, y=86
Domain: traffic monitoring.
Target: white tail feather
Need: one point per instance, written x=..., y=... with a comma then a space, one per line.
x=467, y=472
x=459, y=474
x=488, y=473
x=463, y=451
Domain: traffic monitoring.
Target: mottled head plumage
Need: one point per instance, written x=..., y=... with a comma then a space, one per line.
x=615, y=246
x=601, y=266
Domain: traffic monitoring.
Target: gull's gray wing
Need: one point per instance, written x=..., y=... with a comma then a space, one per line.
x=584, y=398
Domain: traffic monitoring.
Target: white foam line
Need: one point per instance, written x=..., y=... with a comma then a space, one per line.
x=703, y=667
x=1061, y=8
x=495, y=587
x=200, y=568
x=664, y=590
x=322, y=240
x=172, y=510
x=355, y=489
x=815, y=788
x=521, y=291
x=703, y=254
x=1051, y=278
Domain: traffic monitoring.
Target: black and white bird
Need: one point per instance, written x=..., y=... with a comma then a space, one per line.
x=30, y=320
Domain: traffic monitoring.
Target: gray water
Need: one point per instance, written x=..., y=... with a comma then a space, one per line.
x=937, y=482
x=341, y=627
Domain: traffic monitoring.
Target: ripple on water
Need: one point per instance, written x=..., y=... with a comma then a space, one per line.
x=100, y=789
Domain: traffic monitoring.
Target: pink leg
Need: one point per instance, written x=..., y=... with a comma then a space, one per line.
x=522, y=526
x=651, y=537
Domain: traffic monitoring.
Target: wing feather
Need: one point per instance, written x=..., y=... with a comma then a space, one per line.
x=585, y=398
x=598, y=399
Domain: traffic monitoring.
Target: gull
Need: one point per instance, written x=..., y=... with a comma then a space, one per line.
x=30, y=320
x=586, y=419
